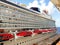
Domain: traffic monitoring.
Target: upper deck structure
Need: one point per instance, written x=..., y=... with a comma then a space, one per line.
x=16, y=17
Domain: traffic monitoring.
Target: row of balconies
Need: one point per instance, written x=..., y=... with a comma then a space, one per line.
x=24, y=24
x=19, y=18
x=23, y=18
x=10, y=10
x=6, y=25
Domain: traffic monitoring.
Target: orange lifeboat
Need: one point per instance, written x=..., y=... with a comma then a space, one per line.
x=24, y=33
x=5, y=36
x=37, y=31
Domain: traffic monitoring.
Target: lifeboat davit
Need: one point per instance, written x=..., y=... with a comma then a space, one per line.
x=5, y=36
x=24, y=33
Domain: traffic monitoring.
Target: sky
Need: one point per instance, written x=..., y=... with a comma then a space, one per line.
x=42, y=4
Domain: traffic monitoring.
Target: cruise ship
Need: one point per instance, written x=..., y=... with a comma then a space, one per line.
x=21, y=26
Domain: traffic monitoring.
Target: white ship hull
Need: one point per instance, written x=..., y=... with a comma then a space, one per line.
x=15, y=18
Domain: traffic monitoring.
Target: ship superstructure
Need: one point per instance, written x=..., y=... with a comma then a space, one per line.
x=14, y=19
